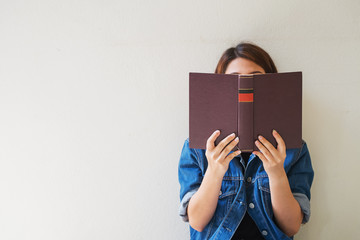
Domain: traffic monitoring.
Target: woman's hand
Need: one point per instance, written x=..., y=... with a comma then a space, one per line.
x=217, y=156
x=203, y=203
x=272, y=158
x=287, y=211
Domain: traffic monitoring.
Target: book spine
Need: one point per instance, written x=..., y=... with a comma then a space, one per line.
x=246, y=113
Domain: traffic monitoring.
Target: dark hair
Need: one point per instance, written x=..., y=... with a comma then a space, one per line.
x=248, y=51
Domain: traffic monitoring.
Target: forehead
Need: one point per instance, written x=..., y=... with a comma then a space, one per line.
x=243, y=66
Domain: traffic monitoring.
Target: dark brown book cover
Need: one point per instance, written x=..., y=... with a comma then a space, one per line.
x=247, y=105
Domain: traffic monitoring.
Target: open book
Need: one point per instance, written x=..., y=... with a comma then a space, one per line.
x=247, y=105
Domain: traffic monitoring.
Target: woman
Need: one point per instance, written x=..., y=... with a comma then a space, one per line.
x=232, y=195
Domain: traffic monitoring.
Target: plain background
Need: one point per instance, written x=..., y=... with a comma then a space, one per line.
x=94, y=109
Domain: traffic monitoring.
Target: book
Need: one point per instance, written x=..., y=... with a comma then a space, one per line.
x=247, y=105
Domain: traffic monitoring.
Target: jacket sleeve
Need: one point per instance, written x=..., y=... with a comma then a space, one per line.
x=300, y=177
x=190, y=177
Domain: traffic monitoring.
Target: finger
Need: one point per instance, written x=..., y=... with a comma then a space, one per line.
x=231, y=156
x=280, y=141
x=225, y=141
x=210, y=143
x=264, y=150
x=228, y=148
x=260, y=155
x=268, y=145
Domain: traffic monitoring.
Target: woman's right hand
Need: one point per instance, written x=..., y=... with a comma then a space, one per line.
x=217, y=156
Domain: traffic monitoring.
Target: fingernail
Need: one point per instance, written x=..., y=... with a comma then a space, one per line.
x=260, y=137
x=233, y=134
x=237, y=138
x=274, y=131
x=217, y=131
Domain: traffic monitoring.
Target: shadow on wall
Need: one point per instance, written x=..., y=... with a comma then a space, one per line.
x=318, y=118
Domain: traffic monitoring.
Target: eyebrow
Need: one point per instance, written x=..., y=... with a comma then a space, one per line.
x=248, y=73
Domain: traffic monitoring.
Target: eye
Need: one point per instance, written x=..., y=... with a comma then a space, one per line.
x=257, y=72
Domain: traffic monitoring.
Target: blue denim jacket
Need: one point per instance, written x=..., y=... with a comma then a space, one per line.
x=243, y=189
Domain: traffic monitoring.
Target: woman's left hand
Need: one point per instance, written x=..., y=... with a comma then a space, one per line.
x=272, y=158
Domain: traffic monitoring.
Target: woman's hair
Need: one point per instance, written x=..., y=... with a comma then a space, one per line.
x=248, y=51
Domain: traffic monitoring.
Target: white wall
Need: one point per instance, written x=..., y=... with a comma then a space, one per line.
x=94, y=109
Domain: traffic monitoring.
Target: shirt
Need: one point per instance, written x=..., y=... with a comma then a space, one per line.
x=243, y=191
x=247, y=230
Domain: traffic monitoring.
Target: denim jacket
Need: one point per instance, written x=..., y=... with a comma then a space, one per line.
x=244, y=188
